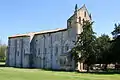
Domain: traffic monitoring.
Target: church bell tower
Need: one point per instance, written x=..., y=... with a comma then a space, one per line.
x=76, y=20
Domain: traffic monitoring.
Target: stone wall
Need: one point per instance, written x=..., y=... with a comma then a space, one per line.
x=48, y=47
x=18, y=51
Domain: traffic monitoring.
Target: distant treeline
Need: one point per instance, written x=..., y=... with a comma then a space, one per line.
x=3, y=49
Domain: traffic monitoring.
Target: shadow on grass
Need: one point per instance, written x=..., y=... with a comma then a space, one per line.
x=2, y=64
x=91, y=72
x=53, y=70
x=102, y=72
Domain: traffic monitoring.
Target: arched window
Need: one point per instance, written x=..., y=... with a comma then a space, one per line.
x=80, y=20
x=83, y=20
x=66, y=47
x=85, y=14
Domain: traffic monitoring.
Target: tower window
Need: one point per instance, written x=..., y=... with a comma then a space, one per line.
x=80, y=20
x=83, y=20
x=85, y=14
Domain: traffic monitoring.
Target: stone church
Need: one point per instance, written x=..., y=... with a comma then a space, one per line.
x=47, y=49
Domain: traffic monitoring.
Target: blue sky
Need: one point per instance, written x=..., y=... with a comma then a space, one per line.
x=21, y=16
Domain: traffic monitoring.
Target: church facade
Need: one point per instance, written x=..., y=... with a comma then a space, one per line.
x=47, y=49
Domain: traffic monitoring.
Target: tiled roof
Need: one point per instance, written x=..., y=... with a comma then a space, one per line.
x=37, y=33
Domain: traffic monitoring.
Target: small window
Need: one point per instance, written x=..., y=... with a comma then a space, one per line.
x=66, y=48
x=80, y=20
x=83, y=20
x=56, y=50
x=85, y=14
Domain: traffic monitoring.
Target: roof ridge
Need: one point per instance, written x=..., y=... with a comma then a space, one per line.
x=34, y=33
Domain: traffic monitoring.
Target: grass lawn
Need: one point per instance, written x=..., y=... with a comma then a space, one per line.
x=37, y=74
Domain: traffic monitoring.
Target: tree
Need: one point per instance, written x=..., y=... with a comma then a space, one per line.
x=103, y=50
x=116, y=31
x=3, y=48
x=116, y=44
x=85, y=50
x=116, y=50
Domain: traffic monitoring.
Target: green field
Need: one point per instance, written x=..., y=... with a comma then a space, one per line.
x=37, y=74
